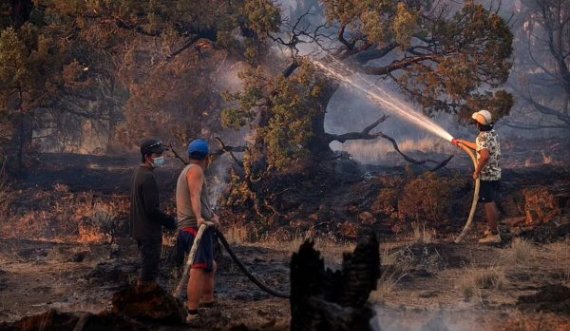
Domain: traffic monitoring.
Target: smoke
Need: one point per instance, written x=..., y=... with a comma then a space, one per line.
x=218, y=179
x=227, y=77
x=382, y=151
x=348, y=112
x=443, y=320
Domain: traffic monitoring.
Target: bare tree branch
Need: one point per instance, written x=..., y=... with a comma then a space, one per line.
x=362, y=135
x=349, y=45
x=183, y=48
x=300, y=34
x=176, y=155
x=290, y=69
x=548, y=111
x=230, y=150
x=366, y=135
x=375, y=53
x=400, y=64
x=439, y=164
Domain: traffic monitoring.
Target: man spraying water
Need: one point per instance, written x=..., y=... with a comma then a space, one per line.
x=488, y=170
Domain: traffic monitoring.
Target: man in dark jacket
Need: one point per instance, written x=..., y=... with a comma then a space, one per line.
x=145, y=219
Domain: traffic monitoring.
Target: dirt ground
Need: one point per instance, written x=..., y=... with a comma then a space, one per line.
x=423, y=286
x=56, y=253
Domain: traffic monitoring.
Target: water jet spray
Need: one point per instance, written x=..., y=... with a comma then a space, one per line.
x=403, y=110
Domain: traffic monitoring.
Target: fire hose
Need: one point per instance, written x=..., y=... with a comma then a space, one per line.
x=469, y=222
x=179, y=288
x=184, y=278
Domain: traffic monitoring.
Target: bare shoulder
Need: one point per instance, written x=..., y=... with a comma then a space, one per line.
x=195, y=173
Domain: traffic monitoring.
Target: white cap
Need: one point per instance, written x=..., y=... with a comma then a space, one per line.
x=482, y=117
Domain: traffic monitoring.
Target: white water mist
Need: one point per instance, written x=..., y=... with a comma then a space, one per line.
x=381, y=98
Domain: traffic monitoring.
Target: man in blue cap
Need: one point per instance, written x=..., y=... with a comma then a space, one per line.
x=193, y=209
x=146, y=220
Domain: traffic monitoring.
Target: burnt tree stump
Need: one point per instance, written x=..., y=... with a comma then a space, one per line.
x=333, y=301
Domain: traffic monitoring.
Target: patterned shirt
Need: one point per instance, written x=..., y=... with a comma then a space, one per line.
x=490, y=140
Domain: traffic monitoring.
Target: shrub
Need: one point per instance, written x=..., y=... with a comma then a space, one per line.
x=425, y=199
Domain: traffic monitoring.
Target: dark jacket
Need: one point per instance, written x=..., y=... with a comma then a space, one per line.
x=146, y=219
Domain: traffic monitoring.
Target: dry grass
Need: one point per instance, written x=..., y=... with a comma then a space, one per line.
x=521, y=253
x=64, y=217
x=395, y=266
x=560, y=255
x=519, y=321
x=236, y=234
x=423, y=235
x=331, y=249
x=527, y=256
x=471, y=281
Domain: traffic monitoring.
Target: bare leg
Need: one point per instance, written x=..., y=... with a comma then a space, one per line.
x=492, y=215
x=195, y=284
x=208, y=289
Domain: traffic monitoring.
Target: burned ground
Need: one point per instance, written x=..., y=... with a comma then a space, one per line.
x=64, y=247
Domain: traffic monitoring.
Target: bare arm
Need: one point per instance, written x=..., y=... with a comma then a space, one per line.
x=483, y=159
x=469, y=144
x=195, y=179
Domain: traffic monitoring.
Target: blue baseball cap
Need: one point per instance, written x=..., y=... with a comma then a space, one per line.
x=198, y=149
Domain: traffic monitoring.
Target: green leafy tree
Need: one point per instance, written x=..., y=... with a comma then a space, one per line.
x=168, y=56
x=135, y=61
x=446, y=59
x=31, y=73
x=448, y=62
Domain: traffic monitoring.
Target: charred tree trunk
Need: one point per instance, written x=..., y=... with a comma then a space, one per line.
x=319, y=146
x=21, y=129
x=20, y=11
x=25, y=133
x=333, y=301
x=255, y=165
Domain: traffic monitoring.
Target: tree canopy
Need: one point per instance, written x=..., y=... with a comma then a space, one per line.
x=152, y=67
x=447, y=59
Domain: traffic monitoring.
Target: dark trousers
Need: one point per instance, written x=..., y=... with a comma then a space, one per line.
x=150, y=257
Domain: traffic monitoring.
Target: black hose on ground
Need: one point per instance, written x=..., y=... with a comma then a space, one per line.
x=246, y=272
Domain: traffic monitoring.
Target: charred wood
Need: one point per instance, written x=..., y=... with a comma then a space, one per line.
x=326, y=300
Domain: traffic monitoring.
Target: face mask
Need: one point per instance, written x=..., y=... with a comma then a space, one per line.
x=158, y=162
